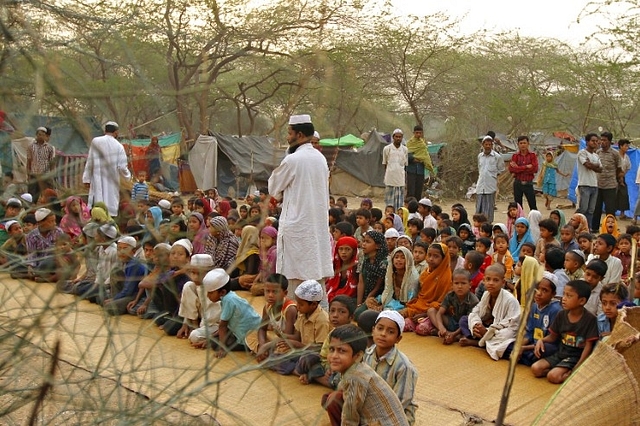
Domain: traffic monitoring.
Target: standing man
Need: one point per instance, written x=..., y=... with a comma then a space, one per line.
x=301, y=184
x=490, y=165
x=623, y=191
x=106, y=162
x=40, y=162
x=419, y=159
x=607, y=179
x=523, y=167
x=395, y=158
x=588, y=168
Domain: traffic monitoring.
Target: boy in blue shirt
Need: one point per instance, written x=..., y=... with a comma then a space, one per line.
x=237, y=318
x=124, y=284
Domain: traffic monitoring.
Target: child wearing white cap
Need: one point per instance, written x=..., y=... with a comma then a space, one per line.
x=124, y=289
x=14, y=251
x=311, y=327
x=237, y=319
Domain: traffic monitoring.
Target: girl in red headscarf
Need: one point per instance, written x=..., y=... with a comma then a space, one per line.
x=345, y=260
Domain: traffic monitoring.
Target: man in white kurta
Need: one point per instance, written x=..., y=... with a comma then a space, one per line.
x=107, y=161
x=301, y=183
x=490, y=166
x=395, y=158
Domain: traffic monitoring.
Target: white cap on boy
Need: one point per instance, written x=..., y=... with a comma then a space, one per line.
x=310, y=290
x=215, y=280
x=186, y=244
x=129, y=240
x=42, y=214
x=393, y=316
x=201, y=260
x=164, y=204
x=110, y=230
x=391, y=233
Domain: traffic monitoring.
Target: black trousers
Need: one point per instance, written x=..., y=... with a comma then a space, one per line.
x=526, y=189
x=609, y=197
x=415, y=185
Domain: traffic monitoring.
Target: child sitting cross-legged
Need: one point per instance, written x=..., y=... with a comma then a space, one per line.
x=576, y=331
x=456, y=304
x=548, y=232
x=314, y=366
x=237, y=316
x=573, y=263
x=494, y=321
x=419, y=256
x=473, y=262
x=310, y=329
x=454, y=244
x=612, y=296
x=401, y=283
x=392, y=365
x=502, y=255
x=594, y=274
x=278, y=316
x=483, y=245
x=363, y=397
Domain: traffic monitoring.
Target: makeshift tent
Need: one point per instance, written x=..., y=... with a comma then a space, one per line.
x=170, y=148
x=630, y=178
x=227, y=162
x=346, y=141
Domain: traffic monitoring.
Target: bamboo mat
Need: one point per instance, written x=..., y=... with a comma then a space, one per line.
x=455, y=384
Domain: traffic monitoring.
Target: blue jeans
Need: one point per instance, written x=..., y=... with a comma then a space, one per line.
x=587, y=205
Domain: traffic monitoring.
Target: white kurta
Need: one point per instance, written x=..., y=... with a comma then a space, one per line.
x=301, y=181
x=107, y=161
x=506, y=318
x=396, y=159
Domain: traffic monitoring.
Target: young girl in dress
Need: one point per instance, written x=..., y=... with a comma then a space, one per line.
x=435, y=283
x=197, y=232
x=520, y=236
x=400, y=284
x=345, y=262
x=77, y=214
x=373, y=268
x=268, y=252
x=547, y=179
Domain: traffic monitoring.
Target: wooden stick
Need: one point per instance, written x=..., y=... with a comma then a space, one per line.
x=632, y=272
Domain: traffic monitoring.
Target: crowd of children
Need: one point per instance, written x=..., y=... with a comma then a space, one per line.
x=418, y=269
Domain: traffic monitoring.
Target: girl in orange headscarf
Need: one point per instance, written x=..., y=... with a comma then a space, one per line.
x=435, y=283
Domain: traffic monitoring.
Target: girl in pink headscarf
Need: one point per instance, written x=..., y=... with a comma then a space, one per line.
x=77, y=214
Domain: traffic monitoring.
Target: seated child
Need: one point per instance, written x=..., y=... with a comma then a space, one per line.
x=478, y=219
x=401, y=283
x=310, y=329
x=584, y=241
x=623, y=253
x=548, y=232
x=574, y=329
x=483, y=245
x=467, y=237
x=363, y=397
x=419, y=256
x=520, y=237
x=554, y=263
x=568, y=239
x=67, y=263
x=454, y=244
x=278, y=316
x=594, y=274
x=366, y=321
x=404, y=241
x=456, y=304
x=543, y=312
x=573, y=264
x=609, y=225
x=314, y=366
x=494, y=321
x=124, y=290
x=428, y=235
x=391, y=236
x=445, y=233
x=603, y=248
x=342, y=229
x=372, y=267
x=392, y=365
x=612, y=295
x=143, y=305
x=472, y=263
x=13, y=252
x=414, y=226
x=502, y=256
x=485, y=230
x=345, y=262
x=237, y=316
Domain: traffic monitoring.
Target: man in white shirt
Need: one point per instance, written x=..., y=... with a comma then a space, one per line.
x=588, y=168
x=301, y=184
x=106, y=162
x=490, y=165
x=395, y=158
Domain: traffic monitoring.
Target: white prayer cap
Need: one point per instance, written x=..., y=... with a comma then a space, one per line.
x=215, y=280
x=487, y=138
x=186, y=244
x=425, y=202
x=300, y=119
x=391, y=233
x=109, y=230
x=165, y=246
x=14, y=202
x=201, y=260
x=41, y=129
x=310, y=290
x=42, y=214
x=129, y=240
x=165, y=204
x=112, y=124
x=27, y=197
x=8, y=224
x=393, y=316
x=316, y=135
x=90, y=229
x=396, y=131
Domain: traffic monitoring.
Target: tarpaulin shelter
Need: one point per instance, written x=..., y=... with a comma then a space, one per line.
x=630, y=178
x=344, y=141
x=226, y=162
x=170, y=149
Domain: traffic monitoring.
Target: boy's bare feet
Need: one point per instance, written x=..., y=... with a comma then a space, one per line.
x=465, y=341
x=304, y=379
x=448, y=339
